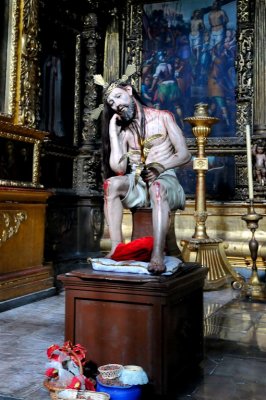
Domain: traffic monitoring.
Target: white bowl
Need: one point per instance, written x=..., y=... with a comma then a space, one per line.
x=133, y=375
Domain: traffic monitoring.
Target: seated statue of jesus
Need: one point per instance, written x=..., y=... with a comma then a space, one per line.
x=142, y=147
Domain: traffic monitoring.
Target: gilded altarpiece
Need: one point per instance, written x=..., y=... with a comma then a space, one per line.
x=22, y=197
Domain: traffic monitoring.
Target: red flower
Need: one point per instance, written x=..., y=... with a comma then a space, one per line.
x=89, y=385
x=74, y=384
x=51, y=373
x=51, y=350
x=78, y=349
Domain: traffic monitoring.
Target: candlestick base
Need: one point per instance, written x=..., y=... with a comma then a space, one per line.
x=254, y=291
x=210, y=253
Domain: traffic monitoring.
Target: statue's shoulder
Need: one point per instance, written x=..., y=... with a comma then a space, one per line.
x=154, y=112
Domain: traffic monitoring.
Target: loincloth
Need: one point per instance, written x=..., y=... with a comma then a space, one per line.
x=137, y=194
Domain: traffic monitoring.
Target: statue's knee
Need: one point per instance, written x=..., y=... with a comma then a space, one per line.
x=112, y=185
x=157, y=191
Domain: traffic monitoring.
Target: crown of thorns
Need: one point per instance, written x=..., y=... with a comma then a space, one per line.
x=99, y=80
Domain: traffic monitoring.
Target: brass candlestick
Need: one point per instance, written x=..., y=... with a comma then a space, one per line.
x=253, y=288
x=201, y=127
x=202, y=249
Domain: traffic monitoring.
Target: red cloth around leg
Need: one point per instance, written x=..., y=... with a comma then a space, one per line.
x=137, y=250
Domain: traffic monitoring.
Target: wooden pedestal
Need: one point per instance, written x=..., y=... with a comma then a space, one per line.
x=154, y=322
x=22, y=223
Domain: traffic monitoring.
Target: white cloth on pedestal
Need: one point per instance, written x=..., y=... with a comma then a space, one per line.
x=131, y=266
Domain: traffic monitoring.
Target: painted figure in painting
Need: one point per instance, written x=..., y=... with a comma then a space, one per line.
x=218, y=20
x=196, y=34
x=218, y=84
x=146, y=90
x=258, y=151
x=51, y=120
x=183, y=77
x=25, y=163
x=8, y=161
x=142, y=148
x=205, y=59
x=164, y=88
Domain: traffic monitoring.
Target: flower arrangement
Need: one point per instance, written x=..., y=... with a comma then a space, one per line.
x=64, y=369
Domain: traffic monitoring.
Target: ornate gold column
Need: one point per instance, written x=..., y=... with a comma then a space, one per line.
x=260, y=69
x=208, y=252
x=29, y=69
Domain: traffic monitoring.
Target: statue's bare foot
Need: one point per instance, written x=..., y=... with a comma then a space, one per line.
x=109, y=255
x=156, y=266
x=111, y=252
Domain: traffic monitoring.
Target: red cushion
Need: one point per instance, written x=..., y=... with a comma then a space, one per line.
x=138, y=250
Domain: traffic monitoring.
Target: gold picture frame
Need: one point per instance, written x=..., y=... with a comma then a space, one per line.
x=9, y=57
x=19, y=53
x=19, y=104
x=24, y=144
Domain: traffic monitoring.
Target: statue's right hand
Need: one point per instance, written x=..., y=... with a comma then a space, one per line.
x=114, y=126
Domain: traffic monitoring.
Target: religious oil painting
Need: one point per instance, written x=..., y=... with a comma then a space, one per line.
x=16, y=158
x=189, y=53
x=219, y=179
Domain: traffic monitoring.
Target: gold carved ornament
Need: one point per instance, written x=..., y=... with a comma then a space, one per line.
x=9, y=224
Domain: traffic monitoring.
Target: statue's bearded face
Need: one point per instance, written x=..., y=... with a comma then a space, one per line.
x=122, y=103
x=129, y=113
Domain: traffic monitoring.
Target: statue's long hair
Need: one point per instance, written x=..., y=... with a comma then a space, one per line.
x=106, y=117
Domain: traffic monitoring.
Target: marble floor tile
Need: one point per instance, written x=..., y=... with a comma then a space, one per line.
x=242, y=369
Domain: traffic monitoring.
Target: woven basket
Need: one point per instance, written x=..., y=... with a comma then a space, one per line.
x=86, y=394
x=110, y=371
x=55, y=387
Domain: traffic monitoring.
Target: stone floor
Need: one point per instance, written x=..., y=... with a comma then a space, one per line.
x=235, y=349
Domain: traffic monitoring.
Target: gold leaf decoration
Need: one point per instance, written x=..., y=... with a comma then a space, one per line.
x=9, y=223
x=94, y=114
x=130, y=70
x=129, y=153
x=98, y=80
x=147, y=142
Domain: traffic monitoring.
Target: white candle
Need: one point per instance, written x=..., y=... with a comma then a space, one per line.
x=249, y=160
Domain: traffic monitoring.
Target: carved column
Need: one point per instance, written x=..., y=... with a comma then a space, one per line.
x=260, y=68
x=87, y=178
x=29, y=76
x=90, y=37
x=80, y=213
x=245, y=92
x=259, y=73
